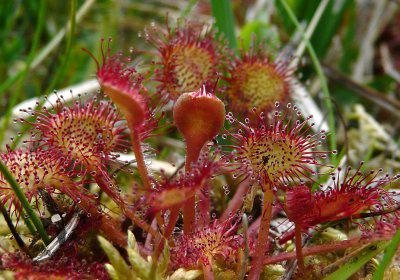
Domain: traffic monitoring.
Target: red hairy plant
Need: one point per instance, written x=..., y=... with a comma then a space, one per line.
x=85, y=134
x=273, y=151
x=172, y=194
x=188, y=58
x=277, y=150
x=256, y=80
x=215, y=242
x=348, y=198
x=39, y=169
x=123, y=84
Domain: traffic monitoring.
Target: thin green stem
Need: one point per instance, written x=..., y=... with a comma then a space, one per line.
x=387, y=258
x=320, y=73
x=28, y=222
x=354, y=264
x=24, y=202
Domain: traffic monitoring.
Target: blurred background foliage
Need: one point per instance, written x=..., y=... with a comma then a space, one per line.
x=356, y=41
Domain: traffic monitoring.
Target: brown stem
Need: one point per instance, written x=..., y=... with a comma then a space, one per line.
x=17, y=237
x=299, y=247
x=325, y=248
x=389, y=104
x=263, y=233
x=189, y=211
x=137, y=150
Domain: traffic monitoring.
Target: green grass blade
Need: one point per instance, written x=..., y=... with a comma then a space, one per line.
x=332, y=20
x=28, y=222
x=320, y=73
x=357, y=262
x=387, y=258
x=21, y=77
x=24, y=202
x=224, y=19
x=62, y=69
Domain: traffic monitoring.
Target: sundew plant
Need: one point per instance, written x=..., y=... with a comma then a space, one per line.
x=199, y=140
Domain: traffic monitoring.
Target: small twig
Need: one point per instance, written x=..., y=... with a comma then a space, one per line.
x=12, y=228
x=389, y=104
x=51, y=205
x=293, y=263
x=61, y=238
x=387, y=63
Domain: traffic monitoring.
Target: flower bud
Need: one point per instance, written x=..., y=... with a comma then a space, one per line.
x=199, y=116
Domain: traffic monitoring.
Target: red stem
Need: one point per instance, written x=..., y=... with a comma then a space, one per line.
x=189, y=211
x=148, y=244
x=104, y=185
x=167, y=233
x=237, y=200
x=263, y=233
x=204, y=208
x=139, y=222
x=299, y=247
x=129, y=213
x=325, y=248
x=107, y=224
x=141, y=165
x=208, y=272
